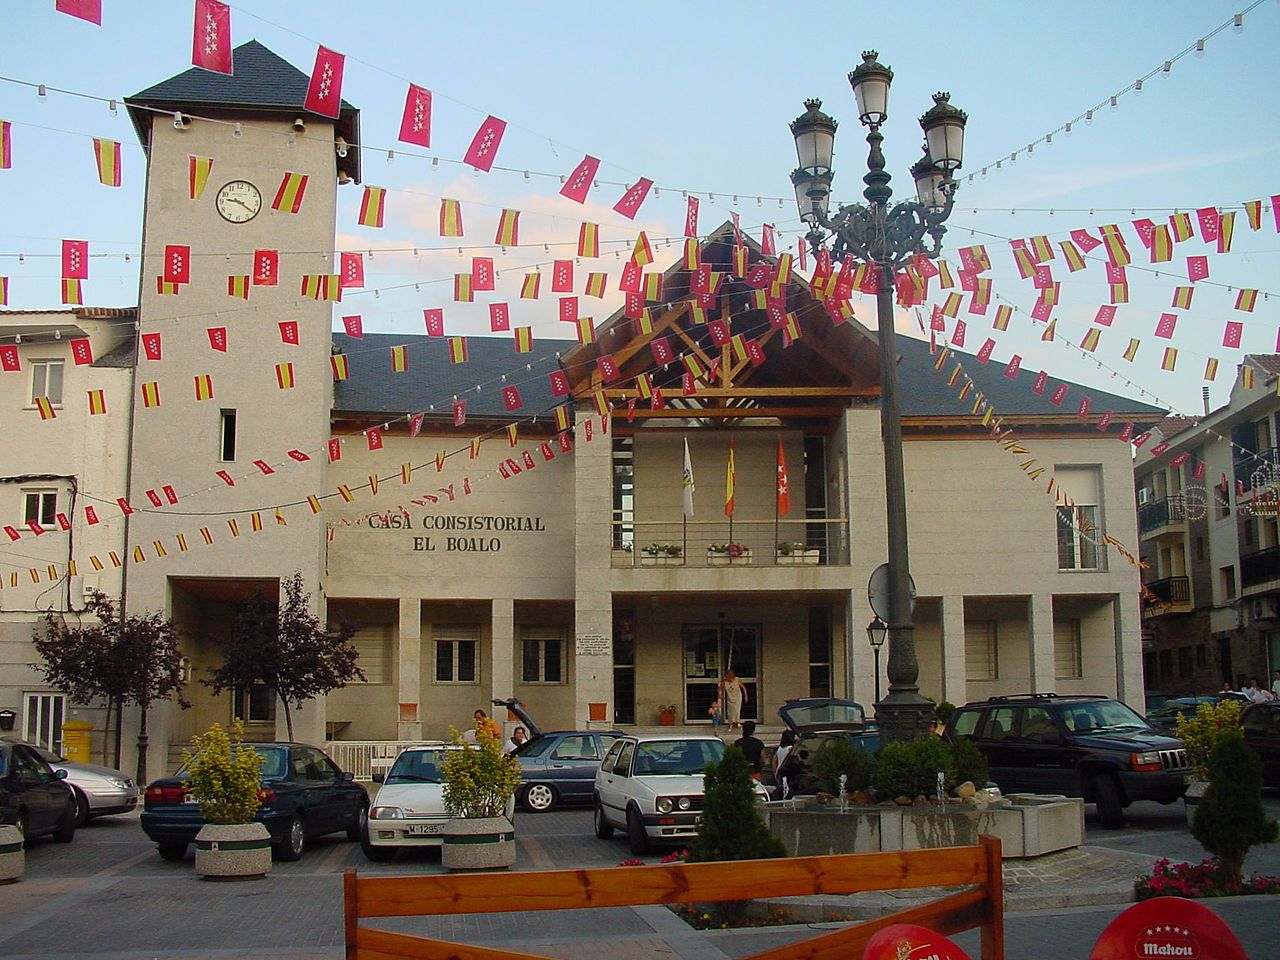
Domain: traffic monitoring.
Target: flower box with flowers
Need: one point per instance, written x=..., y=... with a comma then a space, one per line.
x=725, y=554
x=797, y=553
x=662, y=555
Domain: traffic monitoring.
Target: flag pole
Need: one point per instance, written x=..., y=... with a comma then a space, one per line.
x=775, y=510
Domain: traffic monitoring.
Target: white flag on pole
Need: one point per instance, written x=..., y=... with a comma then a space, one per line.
x=687, y=481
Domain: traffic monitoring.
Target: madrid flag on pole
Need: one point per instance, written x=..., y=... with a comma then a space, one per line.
x=784, y=484
x=211, y=40
x=686, y=481
x=324, y=93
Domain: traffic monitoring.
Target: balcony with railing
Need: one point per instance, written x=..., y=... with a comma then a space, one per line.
x=810, y=541
x=1260, y=567
x=1247, y=466
x=1161, y=518
x=1170, y=595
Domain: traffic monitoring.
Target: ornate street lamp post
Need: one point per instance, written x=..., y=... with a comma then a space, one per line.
x=888, y=237
x=877, y=630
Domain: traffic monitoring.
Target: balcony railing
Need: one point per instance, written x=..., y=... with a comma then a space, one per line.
x=1155, y=514
x=1246, y=465
x=1162, y=595
x=715, y=543
x=1261, y=566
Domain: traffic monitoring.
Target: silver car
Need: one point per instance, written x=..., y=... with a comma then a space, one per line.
x=99, y=791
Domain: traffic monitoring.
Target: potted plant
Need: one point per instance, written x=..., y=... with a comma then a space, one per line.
x=1211, y=724
x=224, y=776
x=792, y=552
x=662, y=555
x=480, y=782
x=622, y=554
x=667, y=715
x=723, y=554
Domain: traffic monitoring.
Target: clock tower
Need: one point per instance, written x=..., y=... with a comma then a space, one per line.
x=230, y=411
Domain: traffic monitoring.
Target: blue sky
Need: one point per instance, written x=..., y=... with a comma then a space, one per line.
x=698, y=97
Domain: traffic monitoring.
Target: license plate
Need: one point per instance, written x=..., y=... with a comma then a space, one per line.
x=189, y=798
x=425, y=829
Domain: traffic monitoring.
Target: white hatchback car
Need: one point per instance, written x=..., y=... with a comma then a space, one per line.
x=651, y=786
x=408, y=810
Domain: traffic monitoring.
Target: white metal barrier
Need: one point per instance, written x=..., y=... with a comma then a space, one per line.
x=364, y=758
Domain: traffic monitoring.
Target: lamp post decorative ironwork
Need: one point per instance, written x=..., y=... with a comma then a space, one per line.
x=887, y=237
x=877, y=630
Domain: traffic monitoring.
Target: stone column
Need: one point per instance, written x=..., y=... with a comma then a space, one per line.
x=953, y=650
x=1040, y=627
x=409, y=670
x=502, y=650
x=593, y=600
x=1128, y=646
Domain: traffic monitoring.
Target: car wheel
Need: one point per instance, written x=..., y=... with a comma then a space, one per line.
x=604, y=829
x=172, y=851
x=1106, y=794
x=356, y=830
x=538, y=797
x=376, y=854
x=66, y=831
x=295, y=840
x=636, y=836
x=82, y=806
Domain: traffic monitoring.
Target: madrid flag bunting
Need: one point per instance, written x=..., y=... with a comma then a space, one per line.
x=211, y=36
x=629, y=204
x=784, y=484
x=415, y=125
x=484, y=145
x=324, y=92
x=580, y=181
x=90, y=10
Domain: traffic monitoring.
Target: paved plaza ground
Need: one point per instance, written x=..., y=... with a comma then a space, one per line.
x=108, y=895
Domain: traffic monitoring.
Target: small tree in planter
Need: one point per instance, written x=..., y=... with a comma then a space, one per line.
x=910, y=769
x=479, y=784
x=1231, y=818
x=224, y=775
x=1201, y=733
x=838, y=758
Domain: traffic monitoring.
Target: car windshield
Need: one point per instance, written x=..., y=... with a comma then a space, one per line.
x=823, y=712
x=676, y=757
x=1110, y=716
x=275, y=763
x=530, y=748
x=417, y=766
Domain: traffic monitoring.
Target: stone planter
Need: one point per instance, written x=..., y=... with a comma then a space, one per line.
x=1192, y=798
x=237, y=851
x=660, y=560
x=482, y=843
x=724, y=560
x=13, y=858
x=798, y=558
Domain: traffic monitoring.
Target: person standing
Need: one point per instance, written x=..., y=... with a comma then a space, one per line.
x=518, y=737
x=482, y=721
x=732, y=695
x=751, y=745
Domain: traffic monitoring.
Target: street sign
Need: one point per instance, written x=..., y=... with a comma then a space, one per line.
x=878, y=592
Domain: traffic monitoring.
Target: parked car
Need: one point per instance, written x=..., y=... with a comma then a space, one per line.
x=408, y=810
x=305, y=796
x=98, y=791
x=33, y=795
x=1261, y=723
x=651, y=785
x=1092, y=747
x=1165, y=717
x=815, y=720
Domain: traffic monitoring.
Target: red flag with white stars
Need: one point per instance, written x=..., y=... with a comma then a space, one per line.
x=484, y=145
x=289, y=332
x=81, y=351
x=579, y=182
x=1210, y=222
x=482, y=273
x=211, y=36
x=629, y=204
x=511, y=398
x=661, y=350
x=75, y=259
x=218, y=338
x=767, y=245
x=177, y=263
x=499, y=318
x=1197, y=268
x=9, y=359
x=151, y=347
x=434, y=320
x=90, y=10
x=562, y=276
x=374, y=436
x=559, y=383
x=266, y=268
x=352, y=270
x=324, y=93
x=415, y=125
x=691, y=218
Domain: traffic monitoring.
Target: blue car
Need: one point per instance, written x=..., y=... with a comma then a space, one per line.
x=305, y=796
x=558, y=767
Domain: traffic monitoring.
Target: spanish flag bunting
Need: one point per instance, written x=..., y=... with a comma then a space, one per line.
x=399, y=359
x=1226, y=229
x=1246, y=300
x=46, y=408
x=314, y=503
x=284, y=376
x=739, y=348
x=95, y=563
x=97, y=402
x=289, y=195
x=740, y=261
x=652, y=287
x=6, y=145
x=1071, y=253
x=1211, y=368
x=642, y=253
x=345, y=490
x=406, y=473
x=206, y=535
x=1161, y=244
x=941, y=358
x=589, y=240
x=791, y=329
x=952, y=307
x=955, y=377
x=1117, y=252
x=167, y=288
x=462, y=288
x=182, y=542
x=601, y=402
x=238, y=286
x=341, y=371
x=372, y=206
x=1252, y=210
x=508, y=229
x=457, y=349
x=474, y=448
x=644, y=386
x=1049, y=331
x=596, y=284
x=697, y=313
x=1025, y=262
x=530, y=287
x=562, y=417
x=692, y=255
x=72, y=293
x=1182, y=297
x=4, y=291
x=1091, y=338
x=151, y=394
x=586, y=330
x=311, y=283
x=450, y=218
x=139, y=555
x=1180, y=226
x=1119, y=291
x=204, y=387
x=198, y=169
x=693, y=363
x=1003, y=313
x=945, y=280
x=280, y=520
x=234, y=526
x=524, y=339
x=1246, y=376
x=1041, y=249
x=644, y=322
x=1170, y=359
x=373, y=484
x=513, y=434
x=107, y=155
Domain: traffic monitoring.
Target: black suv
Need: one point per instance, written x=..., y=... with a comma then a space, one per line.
x=1078, y=746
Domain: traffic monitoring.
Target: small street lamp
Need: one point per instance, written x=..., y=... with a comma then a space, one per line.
x=889, y=238
x=877, y=631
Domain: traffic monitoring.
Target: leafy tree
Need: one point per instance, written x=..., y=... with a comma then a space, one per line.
x=225, y=774
x=479, y=779
x=285, y=647
x=1205, y=730
x=1231, y=818
x=123, y=660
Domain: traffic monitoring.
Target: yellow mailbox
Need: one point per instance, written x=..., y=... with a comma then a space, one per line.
x=77, y=740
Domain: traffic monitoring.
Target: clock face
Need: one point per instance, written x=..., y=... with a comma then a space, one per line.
x=239, y=201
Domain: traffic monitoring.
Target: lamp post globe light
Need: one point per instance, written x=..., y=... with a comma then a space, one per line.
x=877, y=630
x=888, y=237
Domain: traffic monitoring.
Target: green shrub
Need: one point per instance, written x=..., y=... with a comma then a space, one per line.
x=839, y=756
x=943, y=711
x=223, y=774
x=1231, y=819
x=970, y=763
x=911, y=768
x=1204, y=731
x=479, y=779
x=731, y=828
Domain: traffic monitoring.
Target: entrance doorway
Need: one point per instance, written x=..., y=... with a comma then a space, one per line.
x=709, y=650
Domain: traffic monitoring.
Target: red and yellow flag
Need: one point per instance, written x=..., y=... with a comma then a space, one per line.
x=107, y=155
x=238, y=286
x=531, y=286
x=198, y=169
x=1246, y=376
x=1161, y=244
x=4, y=291
x=596, y=284
x=73, y=294
x=508, y=229
x=206, y=535
x=1091, y=338
x=1211, y=368
x=314, y=503
x=644, y=322
x=284, y=376
x=341, y=371
x=151, y=394
x=346, y=493
x=1226, y=230
x=1003, y=313
x=1117, y=252
x=1252, y=210
x=562, y=417
x=450, y=218
x=204, y=387
x=372, y=206
x=6, y=145
x=1180, y=225
x=289, y=195
x=1246, y=300
x=462, y=292
x=1131, y=350
x=589, y=240
x=1182, y=297
x=1170, y=359
x=458, y=350
x=45, y=407
x=642, y=253
x=524, y=339
x=399, y=360
x=652, y=287
x=97, y=402
x=730, y=482
x=692, y=254
x=1071, y=253
x=474, y=448
x=586, y=330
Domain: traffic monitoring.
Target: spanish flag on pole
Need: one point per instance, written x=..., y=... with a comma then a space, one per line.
x=450, y=218
x=107, y=155
x=508, y=234
x=198, y=170
x=293, y=186
x=372, y=206
x=730, y=481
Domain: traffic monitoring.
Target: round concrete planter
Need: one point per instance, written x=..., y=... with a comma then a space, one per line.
x=13, y=859
x=486, y=843
x=239, y=851
x=1192, y=798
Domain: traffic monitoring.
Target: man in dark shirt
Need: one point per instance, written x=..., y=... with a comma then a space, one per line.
x=751, y=745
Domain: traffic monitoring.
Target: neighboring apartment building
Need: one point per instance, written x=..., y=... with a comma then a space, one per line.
x=1211, y=606
x=516, y=566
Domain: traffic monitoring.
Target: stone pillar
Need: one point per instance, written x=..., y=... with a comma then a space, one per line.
x=859, y=447
x=502, y=644
x=593, y=600
x=1128, y=641
x=953, y=650
x=409, y=670
x=1040, y=628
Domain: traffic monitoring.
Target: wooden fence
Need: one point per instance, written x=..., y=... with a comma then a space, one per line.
x=977, y=867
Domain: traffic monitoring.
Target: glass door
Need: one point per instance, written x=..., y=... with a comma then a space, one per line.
x=709, y=650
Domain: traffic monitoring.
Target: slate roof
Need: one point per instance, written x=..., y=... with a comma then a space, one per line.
x=263, y=82
x=431, y=379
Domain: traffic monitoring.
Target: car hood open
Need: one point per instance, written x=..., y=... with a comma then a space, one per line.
x=816, y=715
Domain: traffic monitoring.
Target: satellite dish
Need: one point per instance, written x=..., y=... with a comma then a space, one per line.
x=878, y=592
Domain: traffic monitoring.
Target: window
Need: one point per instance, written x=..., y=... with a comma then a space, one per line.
x=1221, y=501
x=819, y=651
x=375, y=645
x=623, y=493
x=981, y=661
x=1227, y=581
x=1067, y=655
x=1001, y=723
x=1038, y=726
x=575, y=748
x=964, y=723
x=40, y=506
x=46, y=380
x=457, y=658
x=42, y=723
x=542, y=654
x=1166, y=665
x=1077, y=538
x=227, y=437
x=256, y=703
